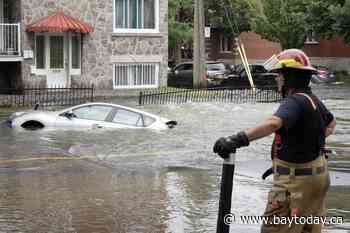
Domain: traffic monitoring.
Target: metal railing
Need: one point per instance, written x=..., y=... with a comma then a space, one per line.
x=236, y=95
x=10, y=39
x=26, y=97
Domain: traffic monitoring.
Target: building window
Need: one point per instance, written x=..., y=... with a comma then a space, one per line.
x=311, y=37
x=226, y=43
x=136, y=15
x=40, y=51
x=76, y=51
x=136, y=75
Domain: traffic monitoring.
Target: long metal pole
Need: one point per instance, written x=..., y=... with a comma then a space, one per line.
x=224, y=217
x=198, y=45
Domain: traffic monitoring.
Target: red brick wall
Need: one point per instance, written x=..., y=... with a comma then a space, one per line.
x=328, y=48
x=258, y=48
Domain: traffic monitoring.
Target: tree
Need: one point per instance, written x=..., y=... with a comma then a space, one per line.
x=283, y=21
x=322, y=16
x=340, y=14
x=180, y=25
x=233, y=16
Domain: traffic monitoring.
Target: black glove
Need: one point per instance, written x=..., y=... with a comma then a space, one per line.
x=225, y=146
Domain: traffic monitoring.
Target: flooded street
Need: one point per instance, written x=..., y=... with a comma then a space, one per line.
x=102, y=181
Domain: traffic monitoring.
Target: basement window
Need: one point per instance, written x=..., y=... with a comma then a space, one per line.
x=136, y=75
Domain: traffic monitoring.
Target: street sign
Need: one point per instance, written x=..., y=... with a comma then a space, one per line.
x=207, y=32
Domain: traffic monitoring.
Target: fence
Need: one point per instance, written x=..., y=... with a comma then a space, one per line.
x=45, y=96
x=237, y=95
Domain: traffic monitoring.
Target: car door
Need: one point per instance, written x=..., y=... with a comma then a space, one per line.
x=88, y=116
x=184, y=75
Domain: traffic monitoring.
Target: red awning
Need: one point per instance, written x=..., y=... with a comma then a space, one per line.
x=59, y=22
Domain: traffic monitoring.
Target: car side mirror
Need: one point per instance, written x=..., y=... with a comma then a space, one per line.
x=69, y=114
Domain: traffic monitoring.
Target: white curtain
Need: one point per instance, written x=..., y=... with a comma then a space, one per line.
x=135, y=13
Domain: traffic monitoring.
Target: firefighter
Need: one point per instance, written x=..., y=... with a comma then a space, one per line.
x=301, y=124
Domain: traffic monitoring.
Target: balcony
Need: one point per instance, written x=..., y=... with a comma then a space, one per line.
x=10, y=42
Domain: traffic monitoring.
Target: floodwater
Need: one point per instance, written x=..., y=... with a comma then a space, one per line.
x=101, y=181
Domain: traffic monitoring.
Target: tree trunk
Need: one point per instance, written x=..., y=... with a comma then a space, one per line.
x=178, y=57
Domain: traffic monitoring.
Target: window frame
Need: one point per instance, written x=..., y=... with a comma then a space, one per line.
x=311, y=38
x=138, y=30
x=156, y=74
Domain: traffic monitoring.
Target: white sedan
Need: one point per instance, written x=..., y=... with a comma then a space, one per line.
x=90, y=115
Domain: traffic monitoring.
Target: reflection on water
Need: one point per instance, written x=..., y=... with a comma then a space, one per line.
x=147, y=181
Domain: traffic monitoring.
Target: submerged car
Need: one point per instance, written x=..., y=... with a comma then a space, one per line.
x=90, y=115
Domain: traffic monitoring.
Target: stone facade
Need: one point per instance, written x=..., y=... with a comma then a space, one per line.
x=101, y=48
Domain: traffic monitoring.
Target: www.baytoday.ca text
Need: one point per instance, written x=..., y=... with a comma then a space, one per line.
x=289, y=220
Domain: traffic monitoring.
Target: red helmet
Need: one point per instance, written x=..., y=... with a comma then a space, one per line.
x=290, y=58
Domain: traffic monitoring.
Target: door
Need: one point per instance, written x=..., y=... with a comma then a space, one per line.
x=57, y=75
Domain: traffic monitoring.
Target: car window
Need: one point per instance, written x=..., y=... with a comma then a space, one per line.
x=260, y=69
x=215, y=66
x=148, y=120
x=179, y=68
x=93, y=112
x=239, y=68
x=126, y=117
x=188, y=67
x=184, y=67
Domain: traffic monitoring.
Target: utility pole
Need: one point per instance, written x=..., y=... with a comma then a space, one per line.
x=199, y=46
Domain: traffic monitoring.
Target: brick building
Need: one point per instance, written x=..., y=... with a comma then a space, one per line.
x=333, y=53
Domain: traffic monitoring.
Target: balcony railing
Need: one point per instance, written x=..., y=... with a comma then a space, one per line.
x=10, y=39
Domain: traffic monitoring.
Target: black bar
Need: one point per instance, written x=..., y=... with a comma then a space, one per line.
x=228, y=169
x=140, y=98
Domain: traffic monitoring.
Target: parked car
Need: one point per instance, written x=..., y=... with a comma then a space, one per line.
x=90, y=115
x=261, y=76
x=182, y=74
x=324, y=75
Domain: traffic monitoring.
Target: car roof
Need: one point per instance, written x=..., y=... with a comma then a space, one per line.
x=112, y=105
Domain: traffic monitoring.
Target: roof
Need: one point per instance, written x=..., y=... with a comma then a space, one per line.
x=59, y=22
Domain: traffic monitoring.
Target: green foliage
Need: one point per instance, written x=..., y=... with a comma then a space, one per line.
x=233, y=16
x=180, y=22
x=230, y=15
x=284, y=22
x=340, y=14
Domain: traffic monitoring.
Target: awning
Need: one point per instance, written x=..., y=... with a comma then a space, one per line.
x=59, y=22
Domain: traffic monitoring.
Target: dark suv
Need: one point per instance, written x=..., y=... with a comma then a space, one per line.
x=261, y=76
x=182, y=74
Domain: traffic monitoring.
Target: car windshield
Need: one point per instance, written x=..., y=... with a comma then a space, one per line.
x=216, y=66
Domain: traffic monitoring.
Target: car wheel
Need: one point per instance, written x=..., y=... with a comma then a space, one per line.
x=32, y=125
